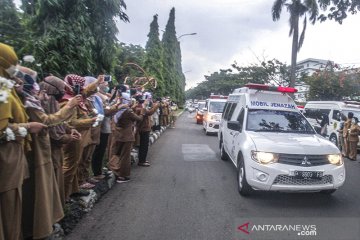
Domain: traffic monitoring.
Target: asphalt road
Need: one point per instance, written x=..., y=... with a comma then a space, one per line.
x=189, y=193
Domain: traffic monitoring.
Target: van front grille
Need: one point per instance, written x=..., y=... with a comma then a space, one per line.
x=303, y=160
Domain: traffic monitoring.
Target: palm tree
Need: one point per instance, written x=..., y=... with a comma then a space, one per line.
x=297, y=9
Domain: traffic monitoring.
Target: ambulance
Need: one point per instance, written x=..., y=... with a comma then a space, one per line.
x=314, y=110
x=273, y=146
x=212, y=113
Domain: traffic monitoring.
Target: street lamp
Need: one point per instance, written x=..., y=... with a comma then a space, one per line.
x=186, y=34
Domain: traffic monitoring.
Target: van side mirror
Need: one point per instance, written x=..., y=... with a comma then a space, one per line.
x=234, y=125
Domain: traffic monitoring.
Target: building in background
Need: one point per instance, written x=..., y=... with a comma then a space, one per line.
x=307, y=67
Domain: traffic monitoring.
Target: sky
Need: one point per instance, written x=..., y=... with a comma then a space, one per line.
x=237, y=30
x=241, y=31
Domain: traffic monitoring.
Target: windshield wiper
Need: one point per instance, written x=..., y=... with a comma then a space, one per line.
x=269, y=130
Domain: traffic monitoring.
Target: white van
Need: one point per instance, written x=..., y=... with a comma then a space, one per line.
x=314, y=110
x=212, y=114
x=273, y=146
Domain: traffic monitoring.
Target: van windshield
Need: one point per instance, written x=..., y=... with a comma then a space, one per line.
x=201, y=105
x=216, y=107
x=277, y=121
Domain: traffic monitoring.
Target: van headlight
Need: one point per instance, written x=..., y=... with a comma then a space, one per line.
x=335, y=159
x=264, y=157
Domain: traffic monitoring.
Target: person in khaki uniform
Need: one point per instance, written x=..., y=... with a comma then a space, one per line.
x=144, y=128
x=82, y=122
x=353, y=138
x=59, y=134
x=122, y=140
x=42, y=208
x=93, y=103
x=164, y=113
x=14, y=141
x=346, y=128
x=341, y=132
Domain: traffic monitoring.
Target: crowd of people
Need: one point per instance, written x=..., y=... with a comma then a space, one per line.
x=56, y=136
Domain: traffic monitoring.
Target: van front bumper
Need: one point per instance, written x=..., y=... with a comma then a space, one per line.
x=281, y=177
x=212, y=126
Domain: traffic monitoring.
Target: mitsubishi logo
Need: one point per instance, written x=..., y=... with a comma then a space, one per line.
x=305, y=161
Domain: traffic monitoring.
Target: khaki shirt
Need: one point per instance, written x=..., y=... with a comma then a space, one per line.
x=123, y=131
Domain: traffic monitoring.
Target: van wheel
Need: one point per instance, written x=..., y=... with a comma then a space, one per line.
x=243, y=187
x=223, y=155
x=333, y=139
x=328, y=192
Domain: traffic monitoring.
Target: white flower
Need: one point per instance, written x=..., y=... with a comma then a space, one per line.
x=10, y=136
x=29, y=58
x=22, y=131
x=99, y=118
x=3, y=96
x=5, y=88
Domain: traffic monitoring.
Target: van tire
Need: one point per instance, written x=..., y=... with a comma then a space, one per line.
x=333, y=139
x=223, y=155
x=243, y=187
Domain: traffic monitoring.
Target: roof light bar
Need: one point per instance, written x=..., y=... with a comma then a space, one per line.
x=271, y=88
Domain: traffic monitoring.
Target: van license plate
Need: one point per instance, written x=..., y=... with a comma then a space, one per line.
x=308, y=174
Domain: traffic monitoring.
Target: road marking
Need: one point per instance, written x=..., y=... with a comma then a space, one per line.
x=198, y=152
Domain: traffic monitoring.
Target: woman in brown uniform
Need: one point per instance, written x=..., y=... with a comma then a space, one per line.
x=59, y=134
x=14, y=140
x=122, y=140
x=82, y=121
x=353, y=138
x=346, y=128
x=144, y=129
x=42, y=208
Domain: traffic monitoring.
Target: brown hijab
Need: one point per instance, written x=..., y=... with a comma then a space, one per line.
x=53, y=85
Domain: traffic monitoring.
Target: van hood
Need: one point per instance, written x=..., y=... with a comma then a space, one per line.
x=292, y=143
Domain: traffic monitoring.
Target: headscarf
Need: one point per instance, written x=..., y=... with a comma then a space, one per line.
x=13, y=109
x=71, y=80
x=95, y=100
x=53, y=86
x=125, y=97
x=30, y=84
x=8, y=58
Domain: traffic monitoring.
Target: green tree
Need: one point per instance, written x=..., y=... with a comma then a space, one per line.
x=128, y=54
x=103, y=15
x=297, y=9
x=272, y=72
x=63, y=42
x=334, y=83
x=170, y=45
x=11, y=30
x=338, y=10
x=154, y=57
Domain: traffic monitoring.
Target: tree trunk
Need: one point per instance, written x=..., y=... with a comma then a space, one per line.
x=294, y=51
